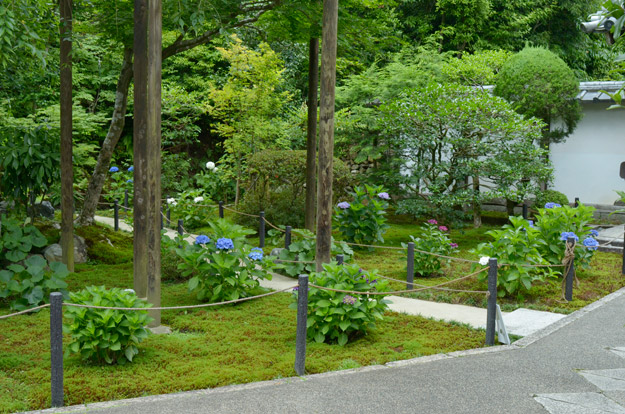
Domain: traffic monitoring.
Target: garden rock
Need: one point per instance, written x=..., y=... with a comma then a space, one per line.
x=276, y=251
x=54, y=253
x=44, y=209
x=4, y=206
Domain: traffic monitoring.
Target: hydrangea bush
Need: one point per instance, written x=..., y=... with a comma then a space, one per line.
x=119, y=181
x=432, y=238
x=336, y=317
x=363, y=220
x=190, y=207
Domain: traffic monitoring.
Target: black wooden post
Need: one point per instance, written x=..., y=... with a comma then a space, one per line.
x=180, y=230
x=261, y=229
x=410, y=267
x=221, y=209
x=116, y=214
x=491, y=309
x=126, y=198
x=570, y=274
x=287, y=237
x=576, y=201
x=56, y=348
x=162, y=224
x=339, y=259
x=623, y=267
x=168, y=217
x=525, y=210
x=302, y=315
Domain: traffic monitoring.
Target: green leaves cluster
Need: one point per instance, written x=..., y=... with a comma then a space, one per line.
x=105, y=335
x=364, y=220
x=434, y=239
x=336, y=317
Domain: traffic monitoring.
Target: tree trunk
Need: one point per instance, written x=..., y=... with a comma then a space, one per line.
x=477, y=207
x=326, y=132
x=108, y=146
x=311, y=135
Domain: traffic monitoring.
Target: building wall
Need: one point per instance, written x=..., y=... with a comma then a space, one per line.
x=587, y=164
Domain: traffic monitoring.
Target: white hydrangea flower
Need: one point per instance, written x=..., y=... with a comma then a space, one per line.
x=215, y=169
x=198, y=199
x=171, y=200
x=129, y=290
x=484, y=260
x=210, y=165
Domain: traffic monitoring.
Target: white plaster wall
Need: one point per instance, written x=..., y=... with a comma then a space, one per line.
x=587, y=164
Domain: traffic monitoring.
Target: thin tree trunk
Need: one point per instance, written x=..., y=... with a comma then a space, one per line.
x=108, y=146
x=311, y=136
x=326, y=132
x=477, y=207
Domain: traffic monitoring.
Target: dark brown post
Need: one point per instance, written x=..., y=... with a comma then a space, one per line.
x=326, y=132
x=311, y=134
x=140, y=119
x=67, y=174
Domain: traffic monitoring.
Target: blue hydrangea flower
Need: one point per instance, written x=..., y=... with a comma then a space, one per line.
x=552, y=205
x=591, y=243
x=343, y=205
x=202, y=239
x=566, y=234
x=131, y=168
x=224, y=244
x=594, y=233
x=384, y=196
x=113, y=169
x=531, y=222
x=129, y=181
x=349, y=300
x=256, y=254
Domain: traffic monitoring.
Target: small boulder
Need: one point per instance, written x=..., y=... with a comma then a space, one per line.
x=276, y=251
x=54, y=253
x=45, y=209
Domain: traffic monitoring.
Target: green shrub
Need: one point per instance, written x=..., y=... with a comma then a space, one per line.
x=339, y=317
x=552, y=196
x=433, y=239
x=303, y=250
x=17, y=241
x=277, y=186
x=363, y=219
x=104, y=335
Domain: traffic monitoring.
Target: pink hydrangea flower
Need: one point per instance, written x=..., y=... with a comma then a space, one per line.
x=432, y=221
x=442, y=228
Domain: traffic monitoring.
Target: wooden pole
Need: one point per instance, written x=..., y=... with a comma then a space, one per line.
x=326, y=132
x=67, y=174
x=140, y=117
x=311, y=134
x=155, y=47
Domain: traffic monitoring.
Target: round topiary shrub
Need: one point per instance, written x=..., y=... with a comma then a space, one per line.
x=550, y=196
x=276, y=184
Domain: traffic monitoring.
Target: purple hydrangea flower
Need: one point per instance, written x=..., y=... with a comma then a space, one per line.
x=349, y=300
x=566, y=234
x=443, y=228
x=432, y=221
x=552, y=205
x=224, y=244
x=113, y=169
x=343, y=204
x=384, y=196
x=202, y=239
x=131, y=168
x=591, y=243
x=129, y=181
x=296, y=288
x=453, y=245
x=256, y=254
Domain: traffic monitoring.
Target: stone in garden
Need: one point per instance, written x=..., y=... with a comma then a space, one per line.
x=276, y=251
x=4, y=206
x=44, y=209
x=54, y=253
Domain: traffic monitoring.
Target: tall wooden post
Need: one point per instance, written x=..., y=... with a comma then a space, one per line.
x=147, y=152
x=67, y=174
x=326, y=131
x=311, y=134
x=140, y=119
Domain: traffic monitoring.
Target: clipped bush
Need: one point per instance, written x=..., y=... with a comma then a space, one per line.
x=104, y=335
x=550, y=196
x=336, y=317
x=277, y=186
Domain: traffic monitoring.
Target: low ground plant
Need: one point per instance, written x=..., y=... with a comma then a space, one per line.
x=363, y=219
x=433, y=238
x=337, y=317
x=105, y=335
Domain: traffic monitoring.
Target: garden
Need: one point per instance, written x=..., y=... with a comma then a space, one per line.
x=421, y=151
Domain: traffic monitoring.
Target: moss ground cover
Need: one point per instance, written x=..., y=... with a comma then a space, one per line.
x=212, y=347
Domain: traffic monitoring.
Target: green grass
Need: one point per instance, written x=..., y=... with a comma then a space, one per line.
x=212, y=347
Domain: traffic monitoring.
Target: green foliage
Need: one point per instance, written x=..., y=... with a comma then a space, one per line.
x=105, y=335
x=433, y=239
x=453, y=145
x=117, y=184
x=29, y=162
x=224, y=266
x=17, y=241
x=276, y=185
x=339, y=317
x=303, y=250
x=190, y=207
x=553, y=222
x=175, y=173
x=215, y=183
x=546, y=196
x=515, y=246
x=363, y=220
x=478, y=69
x=540, y=84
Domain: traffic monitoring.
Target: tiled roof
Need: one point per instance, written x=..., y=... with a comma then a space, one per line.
x=588, y=91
